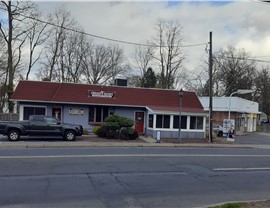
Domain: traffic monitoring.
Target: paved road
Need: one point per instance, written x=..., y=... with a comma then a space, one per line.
x=132, y=177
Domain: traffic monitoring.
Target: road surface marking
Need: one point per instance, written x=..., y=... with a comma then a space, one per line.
x=127, y=155
x=239, y=169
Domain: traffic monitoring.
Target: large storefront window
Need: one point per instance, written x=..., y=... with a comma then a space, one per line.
x=196, y=122
x=98, y=113
x=28, y=111
x=163, y=121
x=183, y=122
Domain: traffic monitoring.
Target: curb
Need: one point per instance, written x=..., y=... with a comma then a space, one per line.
x=79, y=144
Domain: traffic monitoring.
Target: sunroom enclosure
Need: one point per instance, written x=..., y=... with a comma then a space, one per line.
x=192, y=126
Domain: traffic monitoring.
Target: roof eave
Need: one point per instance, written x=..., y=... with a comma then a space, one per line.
x=75, y=103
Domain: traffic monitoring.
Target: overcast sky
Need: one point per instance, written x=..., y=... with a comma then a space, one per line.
x=242, y=24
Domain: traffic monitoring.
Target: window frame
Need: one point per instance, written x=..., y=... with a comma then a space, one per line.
x=102, y=110
x=184, y=121
x=23, y=113
x=161, y=122
x=151, y=122
x=195, y=122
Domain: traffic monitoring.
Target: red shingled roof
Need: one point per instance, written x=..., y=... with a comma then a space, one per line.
x=155, y=99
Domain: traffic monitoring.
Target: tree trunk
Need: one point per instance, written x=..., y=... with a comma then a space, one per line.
x=10, y=61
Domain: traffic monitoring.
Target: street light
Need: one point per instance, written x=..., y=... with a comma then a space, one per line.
x=181, y=94
x=240, y=91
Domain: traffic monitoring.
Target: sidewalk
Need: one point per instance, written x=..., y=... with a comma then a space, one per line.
x=149, y=143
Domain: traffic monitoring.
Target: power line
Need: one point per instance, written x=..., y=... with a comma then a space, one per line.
x=105, y=38
x=246, y=59
x=260, y=56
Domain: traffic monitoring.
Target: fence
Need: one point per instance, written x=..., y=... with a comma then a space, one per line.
x=9, y=117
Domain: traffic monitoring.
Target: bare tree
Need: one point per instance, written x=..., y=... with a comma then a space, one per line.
x=103, y=63
x=196, y=82
x=54, y=49
x=3, y=73
x=235, y=69
x=202, y=80
x=262, y=93
x=74, y=49
x=143, y=57
x=36, y=36
x=169, y=52
x=14, y=35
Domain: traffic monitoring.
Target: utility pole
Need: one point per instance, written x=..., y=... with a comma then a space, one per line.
x=210, y=88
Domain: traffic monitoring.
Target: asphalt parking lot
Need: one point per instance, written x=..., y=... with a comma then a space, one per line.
x=261, y=138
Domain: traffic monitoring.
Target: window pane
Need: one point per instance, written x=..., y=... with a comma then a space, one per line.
x=159, y=121
x=39, y=111
x=150, y=121
x=105, y=113
x=38, y=118
x=91, y=114
x=183, y=122
x=52, y=121
x=98, y=114
x=192, y=122
x=199, y=122
x=176, y=122
x=166, y=122
x=28, y=111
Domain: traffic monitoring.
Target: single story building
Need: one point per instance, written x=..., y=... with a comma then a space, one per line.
x=152, y=110
x=244, y=112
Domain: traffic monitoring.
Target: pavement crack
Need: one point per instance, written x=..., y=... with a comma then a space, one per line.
x=47, y=187
x=129, y=199
x=98, y=191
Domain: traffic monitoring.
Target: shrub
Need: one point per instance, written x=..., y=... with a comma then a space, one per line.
x=116, y=127
x=101, y=132
x=128, y=134
x=96, y=129
x=112, y=129
x=122, y=121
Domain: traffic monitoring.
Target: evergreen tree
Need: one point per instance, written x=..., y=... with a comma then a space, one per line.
x=149, y=79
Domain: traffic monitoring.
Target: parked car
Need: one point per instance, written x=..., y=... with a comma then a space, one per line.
x=40, y=125
x=264, y=120
x=218, y=129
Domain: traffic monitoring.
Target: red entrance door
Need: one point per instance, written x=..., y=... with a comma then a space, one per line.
x=57, y=113
x=139, y=122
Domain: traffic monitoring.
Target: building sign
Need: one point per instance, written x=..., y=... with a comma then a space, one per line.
x=76, y=111
x=101, y=94
x=228, y=125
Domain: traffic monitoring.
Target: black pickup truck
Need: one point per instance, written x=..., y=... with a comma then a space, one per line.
x=40, y=125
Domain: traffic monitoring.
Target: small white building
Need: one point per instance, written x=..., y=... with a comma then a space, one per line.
x=244, y=112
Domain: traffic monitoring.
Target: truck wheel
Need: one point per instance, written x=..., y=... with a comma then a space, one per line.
x=70, y=136
x=13, y=135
